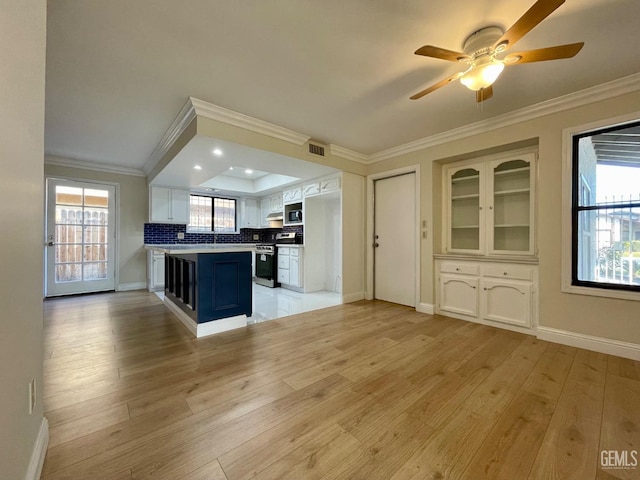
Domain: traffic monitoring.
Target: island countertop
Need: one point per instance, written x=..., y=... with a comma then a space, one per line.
x=187, y=248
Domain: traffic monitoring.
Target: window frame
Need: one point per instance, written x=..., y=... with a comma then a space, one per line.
x=236, y=230
x=570, y=178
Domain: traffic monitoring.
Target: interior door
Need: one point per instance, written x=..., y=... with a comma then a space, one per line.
x=80, y=237
x=395, y=239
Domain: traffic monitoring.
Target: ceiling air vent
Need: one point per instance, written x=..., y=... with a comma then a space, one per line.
x=316, y=149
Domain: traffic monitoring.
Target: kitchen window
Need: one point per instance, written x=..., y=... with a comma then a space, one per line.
x=212, y=214
x=605, y=208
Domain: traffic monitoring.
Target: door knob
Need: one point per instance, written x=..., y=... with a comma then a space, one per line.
x=50, y=244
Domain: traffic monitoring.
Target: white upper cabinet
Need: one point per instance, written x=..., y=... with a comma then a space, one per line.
x=490, y=206
x=293, y=195
x=249, y=213
x=168, y=205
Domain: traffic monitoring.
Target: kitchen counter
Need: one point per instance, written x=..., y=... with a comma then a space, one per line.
x=188, y=248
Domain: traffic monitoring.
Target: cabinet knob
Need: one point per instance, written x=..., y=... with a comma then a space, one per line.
x=490, y=207
x=504, y=273
x=457, y=269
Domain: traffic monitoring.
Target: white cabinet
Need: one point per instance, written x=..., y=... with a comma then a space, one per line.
x=276, y=203
x=328, y=185
x=319, y=187
x=311, y=189
x=155, y=268
x=168, y=205
x=265, y=209
x=249, y=213
x=293, y=195
x=489, y=292
x=290, y=273
x=489, y=206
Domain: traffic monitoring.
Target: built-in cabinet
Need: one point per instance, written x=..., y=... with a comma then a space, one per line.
x=155, y=269
x=489, y=206
x=268, y=205
x=249, y=213
x=487, y=291
x=488, y=272
x=168, y=205
x=290, y=267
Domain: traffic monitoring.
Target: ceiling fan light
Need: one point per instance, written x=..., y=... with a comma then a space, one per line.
x=482, y=76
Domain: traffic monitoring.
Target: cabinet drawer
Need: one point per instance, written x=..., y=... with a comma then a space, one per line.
x=295, y=252
x=518, y=272
x=283, y=276
x=284, y=251
x=283, y=262
x=455, y=267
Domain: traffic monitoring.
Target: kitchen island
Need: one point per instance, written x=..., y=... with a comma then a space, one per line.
x=208, y=286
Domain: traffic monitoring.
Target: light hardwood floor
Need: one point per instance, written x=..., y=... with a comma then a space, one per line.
x=368, y=390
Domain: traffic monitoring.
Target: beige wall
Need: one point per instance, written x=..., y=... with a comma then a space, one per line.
x=353, y=236
x=597, y=316
x=22, y=56
x=132, y=215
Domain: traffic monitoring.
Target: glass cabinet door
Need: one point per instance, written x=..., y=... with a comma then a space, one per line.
x=465, y=209
x=511, y=205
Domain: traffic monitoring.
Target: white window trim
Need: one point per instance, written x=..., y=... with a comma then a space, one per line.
x=567, y=224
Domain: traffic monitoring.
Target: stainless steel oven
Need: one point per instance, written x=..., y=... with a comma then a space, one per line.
x=266, y=265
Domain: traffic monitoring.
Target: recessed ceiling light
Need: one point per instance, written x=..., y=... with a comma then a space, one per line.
x=248, y=171
x=197, y=167
x=230, y=168
x=217, y=152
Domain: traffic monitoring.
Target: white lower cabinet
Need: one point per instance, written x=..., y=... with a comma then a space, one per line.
x=290, y=267
x=156, y=271
x=492, y=293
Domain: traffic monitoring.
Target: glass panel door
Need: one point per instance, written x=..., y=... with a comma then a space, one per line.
x=511, y=211
x=465, y=209
x=80, y=237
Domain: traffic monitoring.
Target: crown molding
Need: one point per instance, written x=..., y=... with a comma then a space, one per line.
x=224, y=115
x=580, y=98
x=97, y=167
x=347, y=154
x=181, y=122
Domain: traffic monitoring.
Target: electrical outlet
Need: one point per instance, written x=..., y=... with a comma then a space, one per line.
x=32, y=395
x=181, y=236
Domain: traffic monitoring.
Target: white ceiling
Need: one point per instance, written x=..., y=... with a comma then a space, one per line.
x=119, y=71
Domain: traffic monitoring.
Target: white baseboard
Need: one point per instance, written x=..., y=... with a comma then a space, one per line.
x=352, y=297
x=427, y=308
x=39, y=452
x=125, y=287
x=588, y=342
x=200, y=330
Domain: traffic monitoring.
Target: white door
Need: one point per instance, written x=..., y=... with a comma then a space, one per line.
x=395, y=239
x=80, y=237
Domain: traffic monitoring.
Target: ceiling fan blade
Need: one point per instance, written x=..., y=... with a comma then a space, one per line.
x=436, y=86
x=542, y=54
x=484, y=94
x=532, y=17
x=441, y=53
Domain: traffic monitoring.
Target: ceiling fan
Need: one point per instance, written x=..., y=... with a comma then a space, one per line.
x=484, y=52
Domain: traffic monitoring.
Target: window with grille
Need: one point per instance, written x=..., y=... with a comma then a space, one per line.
x=212, y=214
x=606, y=208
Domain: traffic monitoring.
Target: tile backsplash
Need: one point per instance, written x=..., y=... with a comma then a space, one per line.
x=162, y=233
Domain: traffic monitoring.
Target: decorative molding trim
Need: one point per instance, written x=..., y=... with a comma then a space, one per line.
x=224, y=115
x=347, y=154
x=39, y=451
x=97, y=167
x=427, y=308
x=588, y=342
x=200, y=330
x=125, y=287
x=181, y=122
x=353, y=297
x=587, y=96
x=488, y=323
